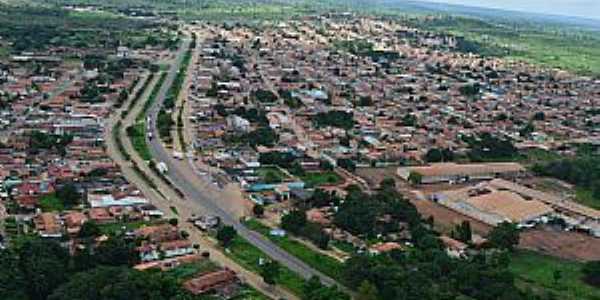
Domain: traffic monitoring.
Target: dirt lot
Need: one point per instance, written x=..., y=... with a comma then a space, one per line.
x=374, y=176
x=445, y=219
x=567, y=245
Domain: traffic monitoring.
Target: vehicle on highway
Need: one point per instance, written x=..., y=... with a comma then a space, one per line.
x=162, y=167
x=178, y=155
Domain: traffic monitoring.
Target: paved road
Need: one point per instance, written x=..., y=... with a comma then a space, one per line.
x=185, y=208
x=183, y=176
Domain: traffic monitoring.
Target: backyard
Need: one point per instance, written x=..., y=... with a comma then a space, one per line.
x=312, y=179
x=51, y=203
x=271, y=174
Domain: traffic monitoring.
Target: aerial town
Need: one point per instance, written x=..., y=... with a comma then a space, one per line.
x=328, y=156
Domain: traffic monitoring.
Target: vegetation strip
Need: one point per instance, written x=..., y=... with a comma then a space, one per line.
x=137, y=132
x=164, y=120
x=321, y=262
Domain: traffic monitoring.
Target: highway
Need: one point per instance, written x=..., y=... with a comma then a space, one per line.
x=195, y=189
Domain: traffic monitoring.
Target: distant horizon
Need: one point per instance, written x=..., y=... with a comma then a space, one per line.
x=589, y=9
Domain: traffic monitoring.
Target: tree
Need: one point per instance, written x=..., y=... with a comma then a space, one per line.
x=557, y=276
x=68, y=194
x=409, y=120
x=469, y=89
x=325, y=165
x=107, y=283
x=154, y=68
x=264, y=96
x=314, y=232
x=262, y=136
x=173, y=221
x=116, y=252
x=346, y=163
x=226, y=234
x=44, y=264
x=504, y=236
x=462, y=232
x=83, y=260
x=294, y=221
x=489, y=147
x=184, y=234
x=367, y=291
x=591, y=273
x=335, y=118
x=313, y=289
x=258, y=210
x=89, y=229
x=527, y=130
x=439, y=155
x=388, y=183
x=270, y=272
x=539, y=116
x=11, y=278
x=415, y=178
x=272, y=177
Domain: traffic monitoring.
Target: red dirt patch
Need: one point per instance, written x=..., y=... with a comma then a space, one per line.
x=445, y=218
x=563, y=244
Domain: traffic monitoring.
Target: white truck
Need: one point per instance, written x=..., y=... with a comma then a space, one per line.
x=162, y=167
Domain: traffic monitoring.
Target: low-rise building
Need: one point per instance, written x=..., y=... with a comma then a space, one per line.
x=453, y=172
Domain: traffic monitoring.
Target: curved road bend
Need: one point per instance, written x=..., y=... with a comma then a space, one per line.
x=191, y=185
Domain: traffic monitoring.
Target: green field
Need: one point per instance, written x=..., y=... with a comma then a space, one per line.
x=550, y=46
x=586, y=197
x=50, y=203
x=271, y=174
x=137, y=132
x=536, y=271
x=137, y=135
x=187, y=271
x=114, y=228
x=4, y=51
x=313, y=179
x=325, y=264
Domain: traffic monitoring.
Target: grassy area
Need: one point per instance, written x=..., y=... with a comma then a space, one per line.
x=164, y=121
x=117, y=137
x=174, y=210
x=271, y=174
x=113, y=228
x=187, y=271
x=152, y=97
x=248, y=293
x=538, y=156
x=325, y=264
x=137, y=135
x=4, y=51
x=568, y=49
x=137, y=132
x=137, y=96
x=51, y=203
x=586, y=197
x=343, y=246
x=321, y=178
x=248, y=256
x=537, y=271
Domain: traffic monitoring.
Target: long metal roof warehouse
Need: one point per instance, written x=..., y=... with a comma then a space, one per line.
x=449, y=172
